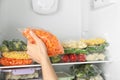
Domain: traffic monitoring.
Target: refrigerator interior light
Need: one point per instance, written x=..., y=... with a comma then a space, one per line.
x=45, y=6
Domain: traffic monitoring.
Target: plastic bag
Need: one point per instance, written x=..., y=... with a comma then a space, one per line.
x=12, y=62
x=52, y=43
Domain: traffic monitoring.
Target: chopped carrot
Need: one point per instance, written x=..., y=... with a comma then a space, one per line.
x=52, y=43
x=12, y=62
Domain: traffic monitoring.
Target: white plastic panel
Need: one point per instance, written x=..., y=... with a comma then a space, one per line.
x=65, y=24
x=45, y=6
x=102, y=3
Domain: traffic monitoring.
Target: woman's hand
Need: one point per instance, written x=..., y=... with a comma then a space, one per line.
x=37, y=51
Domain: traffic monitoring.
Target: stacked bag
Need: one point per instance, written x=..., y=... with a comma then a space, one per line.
x=82, y=50
x=14, y=53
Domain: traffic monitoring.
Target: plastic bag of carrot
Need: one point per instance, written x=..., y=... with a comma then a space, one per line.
x=12, y=62
x=52, y=43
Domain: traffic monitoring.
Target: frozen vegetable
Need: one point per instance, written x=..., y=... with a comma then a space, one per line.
x=55, y=59
x=74, y=44
x=65, y=58
x=81, y=57
x=75, y=50
x=97, y=48
x=11, y=62
x=13, y=45
x=16, y=55
x=85, y=71
x=95, y=41
x=73, y=57
x=95, y=57
x=4, y=48
x=52, y=43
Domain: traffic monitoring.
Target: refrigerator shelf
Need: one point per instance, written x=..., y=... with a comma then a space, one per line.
x=55, y=64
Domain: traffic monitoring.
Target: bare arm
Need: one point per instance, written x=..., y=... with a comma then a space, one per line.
x=38, y=53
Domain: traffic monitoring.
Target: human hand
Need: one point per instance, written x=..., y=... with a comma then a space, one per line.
x=37, y=51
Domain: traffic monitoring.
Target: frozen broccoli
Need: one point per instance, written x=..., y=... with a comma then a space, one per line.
x=14, y=45
x=23, y=46
x=4, y=48
x=55, y=59
x=19, y=45
x=5, y=42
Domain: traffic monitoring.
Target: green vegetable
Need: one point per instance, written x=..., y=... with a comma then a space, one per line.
x=16, y=45
x=78, y=70
x=85, y=71
x=81, y=74
x=19, y=45
x=97, y=49
x=13, y=45
x=4, y=48
x=5, y=42
x=55, y=59
x=23, y=48
x=89, y=70
x=75, y=50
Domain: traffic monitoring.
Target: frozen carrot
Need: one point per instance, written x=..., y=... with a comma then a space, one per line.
x=52, y=43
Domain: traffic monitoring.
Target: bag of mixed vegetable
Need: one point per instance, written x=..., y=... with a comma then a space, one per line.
x=96, y=49
x=97, y=45
x=14, y=53
x=74, y=51
x=86, y=72
x=74, y=46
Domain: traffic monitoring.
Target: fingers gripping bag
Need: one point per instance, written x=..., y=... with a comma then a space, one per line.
x=52, y=43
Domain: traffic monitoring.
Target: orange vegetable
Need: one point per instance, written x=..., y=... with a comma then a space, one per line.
x=52, y=43
x=12, y=62
x=27, y=35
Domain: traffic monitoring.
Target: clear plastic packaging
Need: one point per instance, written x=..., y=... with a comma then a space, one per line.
x=64, y=76
x=53, y=45
x=21, y=74
x=96, y=57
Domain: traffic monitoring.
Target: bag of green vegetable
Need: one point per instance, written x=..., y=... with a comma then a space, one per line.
x=85, y=71
x=97, y=48
x=75, y=50
x=55, y=59
x=13, y=45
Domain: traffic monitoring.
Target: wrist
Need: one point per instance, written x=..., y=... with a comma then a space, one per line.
x=45, y=60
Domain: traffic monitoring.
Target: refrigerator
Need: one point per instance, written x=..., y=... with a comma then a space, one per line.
x=68, y=20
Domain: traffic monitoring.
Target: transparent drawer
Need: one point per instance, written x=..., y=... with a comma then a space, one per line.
x=20, y=74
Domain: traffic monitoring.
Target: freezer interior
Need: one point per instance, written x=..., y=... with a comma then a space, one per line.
x=70, y=20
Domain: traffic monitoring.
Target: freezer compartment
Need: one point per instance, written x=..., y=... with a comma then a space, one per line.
x=21, y=73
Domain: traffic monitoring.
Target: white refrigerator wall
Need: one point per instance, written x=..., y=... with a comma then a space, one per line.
x=65, y=23
x=105, y=22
